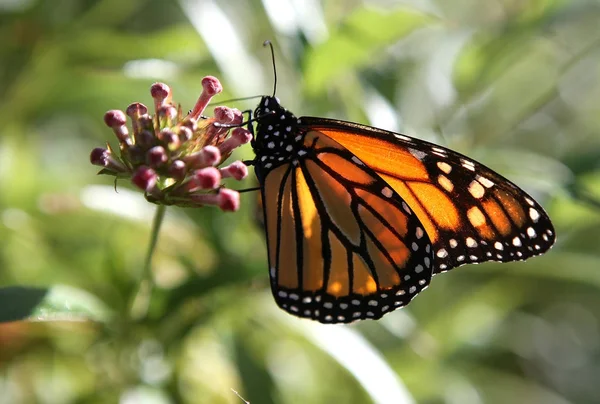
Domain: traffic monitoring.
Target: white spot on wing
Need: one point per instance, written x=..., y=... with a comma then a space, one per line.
x=419, y=232
x=445, y=167
x=357, y=161
x=484, y=181
x=402, y=137
x=469, y=165
x=476, y=189
x=419, y=155
x=534, y=215
x=387, y=192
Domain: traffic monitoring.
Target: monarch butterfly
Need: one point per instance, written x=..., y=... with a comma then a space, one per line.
x=358, y=219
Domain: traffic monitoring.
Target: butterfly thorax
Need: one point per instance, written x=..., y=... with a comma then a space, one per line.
x=277, y=139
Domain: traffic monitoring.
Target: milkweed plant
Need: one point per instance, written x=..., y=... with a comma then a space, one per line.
x=175, y=158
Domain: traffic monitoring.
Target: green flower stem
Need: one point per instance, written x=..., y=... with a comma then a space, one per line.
x=141, y=300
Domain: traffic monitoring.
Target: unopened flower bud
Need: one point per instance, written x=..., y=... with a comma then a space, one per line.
x=169, y=138
x=237, y=170
x=135, y=111
x=99, y=156
x=103, y=158
x=238, y=117
x=116, y=120
x=224, y=115
x=185, y=134
x=207, y=178
x=210, y=87
x=145, y=139
x=144, y=178
x=239, y=136
x=156, y=156
x=190, y=123
x=161, y=94
x=145, y=122
x=229, y=200
x=136, y=154
x=166, y=114
x=226, y=199
x=208, y=156
x=177, y=170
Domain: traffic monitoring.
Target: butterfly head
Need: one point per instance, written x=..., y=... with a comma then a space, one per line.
x=268, y=106
x=277, y=138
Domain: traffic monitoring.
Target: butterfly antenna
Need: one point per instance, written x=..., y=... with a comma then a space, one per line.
x=270, y=45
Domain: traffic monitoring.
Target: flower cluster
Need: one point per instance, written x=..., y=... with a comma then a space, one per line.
x=175, y=158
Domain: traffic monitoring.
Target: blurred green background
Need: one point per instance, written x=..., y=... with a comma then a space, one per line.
x=514, y=84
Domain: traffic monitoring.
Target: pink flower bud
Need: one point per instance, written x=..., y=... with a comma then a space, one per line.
x=229, y=200
x=144, y=178
x=161, y=94
x=177, y=170
x=169, y=138
x=210, y=87
x=167, y=112
x=114, y=118
x=99, y=157
x=211, y=154
x=145, y=139
x=207, y=178
x=144, y=122
x=239, y=136
x=208, y=156
x=135, y=110
x=224, y=114
x=190, y=123
x=156, y=156
x=238, y=117
x=237, y=170
x=135, y=154
x=185, y=134
x=103, y=158
x=226, y=199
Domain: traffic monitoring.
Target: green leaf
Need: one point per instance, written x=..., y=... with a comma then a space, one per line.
x=56, y=303
x=362, y=35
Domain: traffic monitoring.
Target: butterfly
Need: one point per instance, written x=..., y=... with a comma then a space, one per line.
x=359, y=219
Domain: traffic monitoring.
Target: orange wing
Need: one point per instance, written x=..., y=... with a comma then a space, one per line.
x=470, y=213
x=342, y=244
